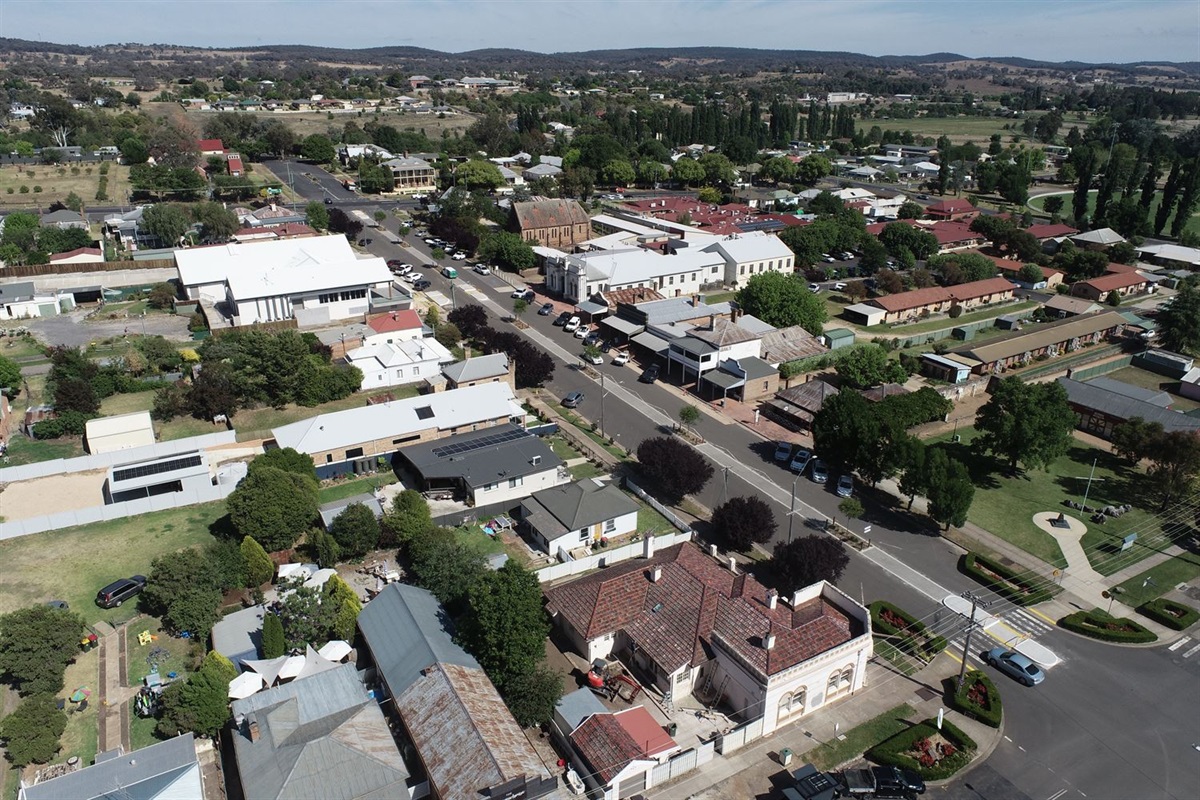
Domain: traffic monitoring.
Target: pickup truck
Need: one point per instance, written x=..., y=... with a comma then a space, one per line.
x=857, y=782
x=896, y=782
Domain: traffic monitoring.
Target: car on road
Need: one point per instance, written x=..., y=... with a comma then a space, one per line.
x=519, y=293
x=896, y=782
x=621, y=359
x=593, y=338
x=572, y=324
x=828, y=259
x=783, y=451
x=412, y=277
x=845, y=485
x=572, y=400
x=328, y=201
x=650, y=375
x=847, y=256
x=118, y=592
x=1015, y=665
x=481, y=269
x=582, y=332
x=459, y=256
x=815, y=288
x=421, y=284
x=839, y=285
x=363, y=242
x=820, y=473
x=449, y=272
x=562, y=319
x=604, y=346
x=800, y=461
x=546, y=310
x=596, y=360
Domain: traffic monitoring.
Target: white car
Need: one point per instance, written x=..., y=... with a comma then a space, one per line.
x=459, y=256
x=482, y=269
x=596, y=359
x=581, y=332
x=404, y=269
x=572, y=325
x=413, y=277
x=621, y=359
x=518, y=293
x=815, y=288
x=839, y=285
x=828, y=259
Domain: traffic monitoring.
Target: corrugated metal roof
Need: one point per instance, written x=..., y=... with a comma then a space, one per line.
x=1126, y=408
x=477, y=368
x=157, y=767
x=1043, y=336
x=483, y=457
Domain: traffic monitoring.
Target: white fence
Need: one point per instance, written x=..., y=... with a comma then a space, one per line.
x=610, y=556
x=657, y=506
x=681, y=763
x=64, y=466
x=739, y=737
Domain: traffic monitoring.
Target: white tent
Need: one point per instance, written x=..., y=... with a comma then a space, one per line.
x=335, y=650
x=245, y=685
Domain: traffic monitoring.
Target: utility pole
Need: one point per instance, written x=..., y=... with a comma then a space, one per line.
x=975, y=602
x=792, y=511
x=601, y=404
x=725, y=485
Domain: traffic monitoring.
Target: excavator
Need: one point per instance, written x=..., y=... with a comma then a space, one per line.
x=608, y=679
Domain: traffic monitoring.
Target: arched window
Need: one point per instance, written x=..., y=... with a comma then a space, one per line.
x=792, y=703
x=840, y=682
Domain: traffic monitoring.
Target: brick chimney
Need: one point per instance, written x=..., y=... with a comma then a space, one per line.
x=772, y=598
x=769, y=641
x=656, y=574
x=252, y=729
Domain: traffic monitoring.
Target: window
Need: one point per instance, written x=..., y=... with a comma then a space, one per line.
x=354, y=452
x=354, y=294
x=399, y=373
x=584, y=535
x=610, y=525
x=515, y=482
x=681, y=677
x=327, y=298
x=416, y=370
x=742, y=269
x=714, y=270
x=671, y=281
x=329, y=458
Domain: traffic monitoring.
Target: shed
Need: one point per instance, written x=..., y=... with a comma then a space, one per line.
x=122, y=432
x=330, y=511
x=864, y=314
x=836, y=338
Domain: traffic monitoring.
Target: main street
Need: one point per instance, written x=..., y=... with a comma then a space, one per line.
x=1108, y=722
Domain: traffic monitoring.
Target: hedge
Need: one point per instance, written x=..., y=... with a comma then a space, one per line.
x=894, y=751
x=1012, y=586
x=915, y=638
x=989, y=714
x=1099, y=625
x=1175, y=616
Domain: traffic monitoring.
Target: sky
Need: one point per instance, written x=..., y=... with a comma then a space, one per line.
x=1052, y=30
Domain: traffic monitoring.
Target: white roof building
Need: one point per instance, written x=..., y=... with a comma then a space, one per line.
x=1171, y=254
x=109, y=434
x=398, y=363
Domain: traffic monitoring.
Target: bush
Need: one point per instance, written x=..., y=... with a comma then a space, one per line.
x=1175, y=616
x=1004, y=581
x=68, y=423
x=905, y=631
x=31, y=732
x=979, y=699
x=895, y=751
x=37, y=189
x=1103, y=626
x=104, y=168
x=24, y=189
x=102, y=188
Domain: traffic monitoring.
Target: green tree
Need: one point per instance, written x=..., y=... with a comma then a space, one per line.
x=948, y=487
x=10, y=377
x=306, y=618
x=444, y=566
x=507, y=626
x=407, y=518
x=869, y=365
x=687, y=171
x=845, y=429
x=910, y=210
x=217, y=223
x=134, y=151
x=783, y=301
x=478, y=174
x=162, y=295
x=167, y=221
x=287, y=459
x=689, y=415
x=272, y=506
x=812, y=168
x=1027, y=423
x=1179, y=319
x=316, y=215
x=673, y=466
x=36, y=645
x=533, y=696
x=31, y=732
x=618, y=172
x=1053, y=204
x=355, y=530
x=74, y=202
x=1031, y=273
x=1136, y=439
x=807, y=560
x=318, y=149
x=184, y=589
x=1113, y=299
x=201, y=703
x=520, y=306
x=508, y=250
x=744, y=522
x=259, y=566
x=324, y=548
x=1175, y=462
x=718, y=169
x=273, y=644
x=851, y=508
x=779, y=169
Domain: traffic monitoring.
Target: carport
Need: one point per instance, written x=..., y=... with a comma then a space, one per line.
x=649, y=341
x=623, y=329
x=592, y=309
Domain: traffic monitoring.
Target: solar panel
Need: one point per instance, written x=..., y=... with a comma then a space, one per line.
x=158, y=468
x=458, y=448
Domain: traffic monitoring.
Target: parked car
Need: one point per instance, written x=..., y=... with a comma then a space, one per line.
x=650, y=375
x=815, y=288
x=828, y=259
x=459, y=256
x=582, y=332
x=562, y=319
x=481, y=269
x=896, y=782
x=856, y=782
x=820, y=473
x=604, y=346
x=413, y=277
x=597, y=359
x=573, y=400
x=592, y=338
x=800, y=461
x=546, y=310
x=572, y=324
x=1015, y=665
x=421, y=284
x=783, y=451
x=839, y=285
x=518, y=293
x=845, y=256
x=118, y=592
x=621, y=359
x=845, y=486
x=812, y=784
x=328, y=201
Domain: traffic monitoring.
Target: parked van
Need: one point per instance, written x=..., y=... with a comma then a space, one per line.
x=449, y=272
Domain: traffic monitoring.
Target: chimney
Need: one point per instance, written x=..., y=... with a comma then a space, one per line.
x=712, y=322
x=253, y=730
x=732, y=565
x=393, y=315
x=772, y=598
x=769, y=641
x=656, y=574
x=796, y=598
x=648, y=547
x=712, y=550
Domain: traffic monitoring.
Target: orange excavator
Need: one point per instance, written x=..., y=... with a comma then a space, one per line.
x=608, y=678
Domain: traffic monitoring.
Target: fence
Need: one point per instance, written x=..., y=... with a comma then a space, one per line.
x=37, y=270
x=62, y=466
x=1085, y=373
x=740, y=736
x=682, y=763
x=657, y=506
x=610, y=556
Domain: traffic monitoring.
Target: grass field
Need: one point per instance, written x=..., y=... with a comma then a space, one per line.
x=343, y=489
x=1160, y=579
x=74, y=563
x=946, y=322
x=56, y=186
x=650, y=521
x=82, y=736
x=958, y=129
x=180, y=661
x=141, y=730
x=1152, y=380
x=305, y=123
x=23, y=450
x=861, y=738
x=1038, y=203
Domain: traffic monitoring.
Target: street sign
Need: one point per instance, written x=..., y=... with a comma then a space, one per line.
x=1128, y=541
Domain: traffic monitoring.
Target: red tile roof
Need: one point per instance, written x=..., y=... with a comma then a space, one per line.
x=1115, y=280
x=605, y=745
x=953, y=232
x=234, y=164
x=78, y=251
x=918, y=298
x=951, y=206
x=209, y=145
x=1008, y=265
x=290, y=229
x=405, y=320
x=1114, y=268
x=1048, y=231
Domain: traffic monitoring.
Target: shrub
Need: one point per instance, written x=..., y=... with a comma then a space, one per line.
x=68, y=423
x=102, y=189
x=24, y=189
x=979, y=699
x=1175, y=616
x=104, y=168
x=896, y=751
x=1099, y=625
x=37, y=189
x=905, y=631
x=1004, y=581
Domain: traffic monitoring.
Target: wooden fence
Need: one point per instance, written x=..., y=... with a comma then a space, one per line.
x=38, y=270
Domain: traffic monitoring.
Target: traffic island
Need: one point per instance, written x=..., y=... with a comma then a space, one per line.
x=934, y=754
x=1101, y=625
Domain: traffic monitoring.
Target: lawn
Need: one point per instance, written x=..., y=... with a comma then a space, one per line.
x=650, y=521
x=82, y=736
x=1038, y=203
x=21, y=347
x=178, y=657
x=585, y=470
x=340, y=490
x=23, y=450
x=1160, y=579
x=1159, y=383
x=861, y=738
x=141, y=730
x=474, y=539
x=719, y=297
x=126, y=403
x=56, y=186
x=562, y=448
x=946, y=322
x=72, y=564
x=585, y=428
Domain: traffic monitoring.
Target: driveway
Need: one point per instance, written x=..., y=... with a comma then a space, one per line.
x=74, y=330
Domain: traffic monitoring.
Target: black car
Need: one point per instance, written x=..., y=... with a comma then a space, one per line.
x=546, y=310
x=896, y=782
x=562, y=318
x=573, y=400
x=421, y=285
x=591, y=339
x=328, y=201
x=650, y=375
x=604, y=346
x=118, y=592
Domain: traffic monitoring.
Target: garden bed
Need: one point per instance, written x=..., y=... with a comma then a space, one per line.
x=1099, y=625
x=905, y=631
x=979, y=699
x=1175, y=616
x=934, y=755
x=1005, y=581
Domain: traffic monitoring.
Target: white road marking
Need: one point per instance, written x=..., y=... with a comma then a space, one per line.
x=1179, y=644
x=1189, y=653
x=1057, y=794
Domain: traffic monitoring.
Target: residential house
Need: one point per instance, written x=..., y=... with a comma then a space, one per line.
x=1099, y=408
x=579, y=514
x=954, y=208
x=398, y=363
x=796, y=406
x=210, y=147
x=909, y=151
x=23, y=301
x=950, y=368
x=234, y=166
x=412, y=174
x=80, y=255
x=357, y=439
x=497, y=465
x=1011, y=270
x=918, y=303
x=65, y=219
x=512, y=178
x=1054, y=339
x=480, y=369
x=167, y=770
x=1171, y=255
x=1125, y=284
x=561, y=224
x=688, y=624
x=395, y=326
x=1046, y=231
x=1062, y=305
x=1099, y=239
x=460, y=730
x=323, y=735
x=542, y=170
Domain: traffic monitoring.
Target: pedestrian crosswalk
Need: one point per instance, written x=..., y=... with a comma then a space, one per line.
x=1185, y=647
x=1010, y=628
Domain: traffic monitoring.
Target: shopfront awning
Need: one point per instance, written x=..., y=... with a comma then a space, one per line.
x=651, y=342
x=588, y=307
x=624, y=326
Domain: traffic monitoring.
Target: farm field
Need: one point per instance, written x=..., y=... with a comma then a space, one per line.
x=1037, y=203
x=58, y=182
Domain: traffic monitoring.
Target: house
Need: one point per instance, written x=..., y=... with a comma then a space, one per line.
x=459, y=729
x=238, y=636
x=121, y=432
x=1068, y=335
x=398, y=363
x=578, y=514
x=798, y=405
x=167, y=770
x=542, y=170
x=952, y=209
x=1012, y=269
x=322, y=735
x=1046, y=231
x=80, y=255
x=779, y=346
x=152, y=471
x=65, y=219
x=703, y=348
x=1062, y=305
x=396, y=326
x=480, y=369
x=357, y=439
x=210, y=147
x=1100, y=408
x=1171, y=255
x=313, y=281
x=561, y=224
x=22, y=301
x=917, y=303
x=613, y=752
x=1099, y=239
x=949, y=368
x=412, y=174
x=692, y=625
x=1125, y=284
x=496, y=465
x=233, y=165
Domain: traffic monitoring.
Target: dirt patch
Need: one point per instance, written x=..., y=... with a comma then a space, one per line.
x=53, y=494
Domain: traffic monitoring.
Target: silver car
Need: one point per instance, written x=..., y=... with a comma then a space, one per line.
x=1015, y=665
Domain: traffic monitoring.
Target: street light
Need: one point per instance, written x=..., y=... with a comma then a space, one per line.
x=975, y=602
x=792, y=511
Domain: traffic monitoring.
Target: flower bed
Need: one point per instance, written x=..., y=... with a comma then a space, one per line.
x=978, y=698
x=1005, y=581
x=1099, y=625
x=1175, y=616
x=905, y=631
x=934, y=755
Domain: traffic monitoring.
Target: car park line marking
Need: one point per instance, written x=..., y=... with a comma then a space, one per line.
x=1057, y=794
x=1179, y=644
x=1189, y=653
x=1007, y=739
